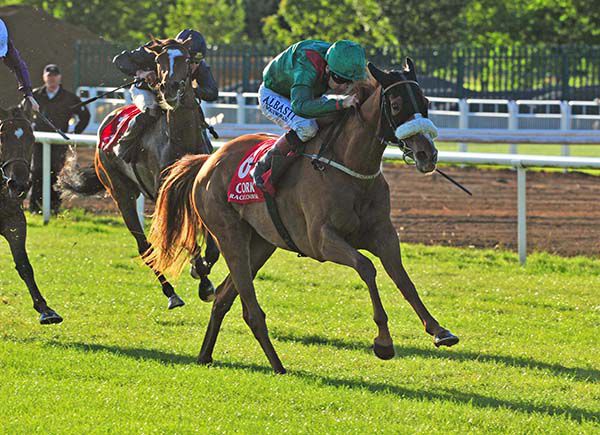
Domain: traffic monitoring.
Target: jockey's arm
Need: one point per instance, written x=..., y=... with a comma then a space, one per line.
x=304, y=104
x=129, y=62
x=206, y=85
x=16, y=64
x=83, y=116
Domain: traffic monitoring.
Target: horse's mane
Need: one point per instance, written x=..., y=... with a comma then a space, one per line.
x=159, y=44
x=364, y=89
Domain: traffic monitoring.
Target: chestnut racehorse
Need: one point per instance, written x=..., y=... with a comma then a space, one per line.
x=329, y=214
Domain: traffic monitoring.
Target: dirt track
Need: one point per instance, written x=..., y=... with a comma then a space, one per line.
x=563, y=210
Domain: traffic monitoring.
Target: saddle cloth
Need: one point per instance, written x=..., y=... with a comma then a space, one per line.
x=112, y=132
x=242, y=189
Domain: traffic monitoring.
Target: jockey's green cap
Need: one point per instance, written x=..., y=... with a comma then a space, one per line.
x=347, y=59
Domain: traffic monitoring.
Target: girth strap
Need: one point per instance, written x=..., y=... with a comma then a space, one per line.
x=279, y=226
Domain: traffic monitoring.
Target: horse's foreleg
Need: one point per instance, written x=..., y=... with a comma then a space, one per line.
x=386, y=245
x=201, y=268
x=126, y=203
x=334, y=248
x=15, y=232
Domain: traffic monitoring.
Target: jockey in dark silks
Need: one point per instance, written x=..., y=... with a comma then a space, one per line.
x=11, y=58
x=140, y=63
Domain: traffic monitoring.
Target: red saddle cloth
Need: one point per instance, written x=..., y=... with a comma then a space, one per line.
x=242, y=188
x=112, y=132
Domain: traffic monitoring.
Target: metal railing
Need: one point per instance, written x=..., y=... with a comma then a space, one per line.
x=520, y=162
x=240, y=114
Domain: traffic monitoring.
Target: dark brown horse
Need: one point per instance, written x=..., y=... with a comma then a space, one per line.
x=329, y=214
x=16, y=148
x=174, y=135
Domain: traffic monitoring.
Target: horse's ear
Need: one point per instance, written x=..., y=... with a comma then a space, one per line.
x=155, y=45
x=187, y=44
x=410, y=70
x=379, y=75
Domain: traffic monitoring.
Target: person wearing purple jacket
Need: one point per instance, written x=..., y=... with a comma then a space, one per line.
x=11, y=58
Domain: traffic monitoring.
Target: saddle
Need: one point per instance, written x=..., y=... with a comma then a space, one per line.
x=242, y=189
x=116, y=128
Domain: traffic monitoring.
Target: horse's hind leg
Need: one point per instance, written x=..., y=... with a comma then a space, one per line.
x=125, y=198
x=235, y=241
x=14, y=230
x=260, y=251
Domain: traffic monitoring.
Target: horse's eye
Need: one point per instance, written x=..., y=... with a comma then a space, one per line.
x=395, y=107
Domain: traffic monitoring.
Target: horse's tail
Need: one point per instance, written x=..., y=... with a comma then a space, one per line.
x=75, y=180
x=176, y=226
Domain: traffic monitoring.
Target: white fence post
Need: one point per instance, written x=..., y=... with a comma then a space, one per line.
x=463, y=120
x=513, y=122
x=46, y=182
x=241, y=109
x=565, y=124
x=140, y=209
x=522, y=213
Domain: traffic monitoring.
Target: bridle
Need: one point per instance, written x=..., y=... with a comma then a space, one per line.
x=386, y=111
x=319, y=161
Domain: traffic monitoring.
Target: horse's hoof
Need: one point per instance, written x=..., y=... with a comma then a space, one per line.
x=384, y=352
x=175, y=301
x=445, y=338
x=50, y=317
x=205, y=360
x=194, y=273
x=280, y=371
x=206, y=290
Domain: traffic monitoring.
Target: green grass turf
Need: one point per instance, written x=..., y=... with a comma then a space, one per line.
x=528, y=360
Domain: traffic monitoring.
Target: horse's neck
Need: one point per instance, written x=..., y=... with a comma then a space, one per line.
x=182, y=125
x=358, y=146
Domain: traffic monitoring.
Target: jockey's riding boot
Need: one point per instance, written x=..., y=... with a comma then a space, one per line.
x=278, y=158
x=129, y=143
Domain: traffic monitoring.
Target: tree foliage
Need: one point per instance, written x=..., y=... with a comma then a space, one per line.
x=359, y=20
x=220, y=21
x=372, y=22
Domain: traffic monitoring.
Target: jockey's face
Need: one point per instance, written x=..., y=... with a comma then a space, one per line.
x=335, y=86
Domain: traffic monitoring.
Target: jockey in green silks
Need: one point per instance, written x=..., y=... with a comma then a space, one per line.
x=292, y=94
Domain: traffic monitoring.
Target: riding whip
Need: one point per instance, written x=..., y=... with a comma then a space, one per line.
x=91, y=100
x=47, y=121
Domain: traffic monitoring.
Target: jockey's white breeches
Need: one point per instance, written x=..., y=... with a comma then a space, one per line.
x=278, y=109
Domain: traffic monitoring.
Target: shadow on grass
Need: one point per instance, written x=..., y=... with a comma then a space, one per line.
x=576, y=373
x=447, y=395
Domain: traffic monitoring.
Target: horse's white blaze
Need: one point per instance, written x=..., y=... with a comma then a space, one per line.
x=19, y=133
x=416, y=126
x=173, y=53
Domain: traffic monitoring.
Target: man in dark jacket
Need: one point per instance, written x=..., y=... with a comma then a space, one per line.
x=140, y=63
x=12, y=59
x=59, y=106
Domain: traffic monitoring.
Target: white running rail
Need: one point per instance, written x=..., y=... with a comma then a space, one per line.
x=520, y=162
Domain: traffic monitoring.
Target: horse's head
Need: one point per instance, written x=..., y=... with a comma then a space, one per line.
x=404, y=114
x=173, y=67
x=16, y=148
